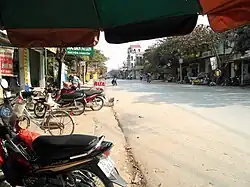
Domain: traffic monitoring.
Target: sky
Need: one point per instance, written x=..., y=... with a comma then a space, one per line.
x=117, y=53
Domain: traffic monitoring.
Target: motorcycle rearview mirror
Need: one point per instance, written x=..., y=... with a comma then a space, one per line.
x=4, y=84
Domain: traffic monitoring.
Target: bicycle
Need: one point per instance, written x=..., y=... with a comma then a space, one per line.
x=47, y=123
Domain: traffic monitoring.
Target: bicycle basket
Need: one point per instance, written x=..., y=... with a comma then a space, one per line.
x=19, y=108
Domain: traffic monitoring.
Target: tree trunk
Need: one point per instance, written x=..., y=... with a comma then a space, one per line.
x=86, y=69
x=60, y=59
x=59, y=74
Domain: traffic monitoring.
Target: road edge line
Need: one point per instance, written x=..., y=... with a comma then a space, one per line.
x=136, y=169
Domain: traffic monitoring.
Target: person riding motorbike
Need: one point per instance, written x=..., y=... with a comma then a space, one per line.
x=114, y=81
x=148, y=77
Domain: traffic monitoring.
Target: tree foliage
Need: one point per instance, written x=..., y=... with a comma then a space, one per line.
x=98, y=59
x=98, y=56
x=242, y=42
x=168, y=51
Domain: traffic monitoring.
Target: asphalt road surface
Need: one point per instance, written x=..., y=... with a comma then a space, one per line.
x=187, y=136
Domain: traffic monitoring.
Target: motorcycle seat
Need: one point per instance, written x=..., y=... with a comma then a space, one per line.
x=49, y=149
x=92, y=92
x=25, y=95
x=72, y=96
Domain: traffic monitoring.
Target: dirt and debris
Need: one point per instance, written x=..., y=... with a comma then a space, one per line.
x=138, y=178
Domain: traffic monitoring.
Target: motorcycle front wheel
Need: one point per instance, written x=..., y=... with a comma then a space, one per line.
x=97, y=103
x=79, y=108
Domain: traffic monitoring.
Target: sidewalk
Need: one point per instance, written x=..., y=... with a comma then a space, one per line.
x=106, y=124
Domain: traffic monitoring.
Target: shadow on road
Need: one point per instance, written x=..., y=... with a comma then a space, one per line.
x=195, y=96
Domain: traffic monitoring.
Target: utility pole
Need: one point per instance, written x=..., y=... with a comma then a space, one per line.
x=45, y=64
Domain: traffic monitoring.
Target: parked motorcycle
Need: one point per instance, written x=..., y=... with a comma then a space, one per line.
x=94, y=99
x=69, y=161
x=71, y=102
x=52, y=88
x=232, y=81
x=202, y=79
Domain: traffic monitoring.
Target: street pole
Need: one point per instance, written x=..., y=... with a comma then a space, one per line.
x=180, y=72
x=84, y=72
x=45, y=64
x=242, y=73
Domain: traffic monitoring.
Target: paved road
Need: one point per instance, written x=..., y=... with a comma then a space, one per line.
x=187, y=136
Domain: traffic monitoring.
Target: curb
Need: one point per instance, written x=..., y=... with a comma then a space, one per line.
x=139, y=178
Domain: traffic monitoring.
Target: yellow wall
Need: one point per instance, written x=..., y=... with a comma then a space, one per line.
x=26, y=66
x=87, y=78
x=95, y=76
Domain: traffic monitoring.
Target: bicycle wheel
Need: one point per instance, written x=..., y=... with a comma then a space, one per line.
x=40, y=109
x=59, y=122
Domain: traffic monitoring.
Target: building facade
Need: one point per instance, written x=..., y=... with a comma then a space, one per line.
x=134, y=61
x=28, y=65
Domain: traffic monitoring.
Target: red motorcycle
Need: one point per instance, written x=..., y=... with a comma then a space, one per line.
x=94, y=99
x=31, y=160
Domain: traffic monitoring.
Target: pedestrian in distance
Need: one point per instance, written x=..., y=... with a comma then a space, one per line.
x=114, y=81
x=141, y=77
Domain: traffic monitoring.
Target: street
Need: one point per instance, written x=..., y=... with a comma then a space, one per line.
x=184, y=135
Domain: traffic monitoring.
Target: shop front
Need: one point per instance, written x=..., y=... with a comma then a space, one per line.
x=9, y=66
x=34, y=56
x=32, y=67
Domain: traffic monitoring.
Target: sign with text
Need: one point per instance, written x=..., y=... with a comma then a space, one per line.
x=214, y=63
x=6, y=61
x=80, y=51
x=99, y=84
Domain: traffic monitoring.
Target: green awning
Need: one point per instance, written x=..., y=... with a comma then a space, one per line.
x=103, y=14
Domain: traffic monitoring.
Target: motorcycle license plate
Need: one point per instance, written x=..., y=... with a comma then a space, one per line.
x=107, y=166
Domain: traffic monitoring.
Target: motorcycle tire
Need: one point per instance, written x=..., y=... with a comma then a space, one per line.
x=81, y=110
x=101, y=105
x=94, y=169
x=38, y=113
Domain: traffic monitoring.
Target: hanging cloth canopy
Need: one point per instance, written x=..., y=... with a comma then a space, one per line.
x=60, y=23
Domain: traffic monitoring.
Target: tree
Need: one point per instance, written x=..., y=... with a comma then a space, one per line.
x=242, y=42
x=114, y=73
x=98, y=58
x=192, y=45
x=169, y=50
x=60, y=54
